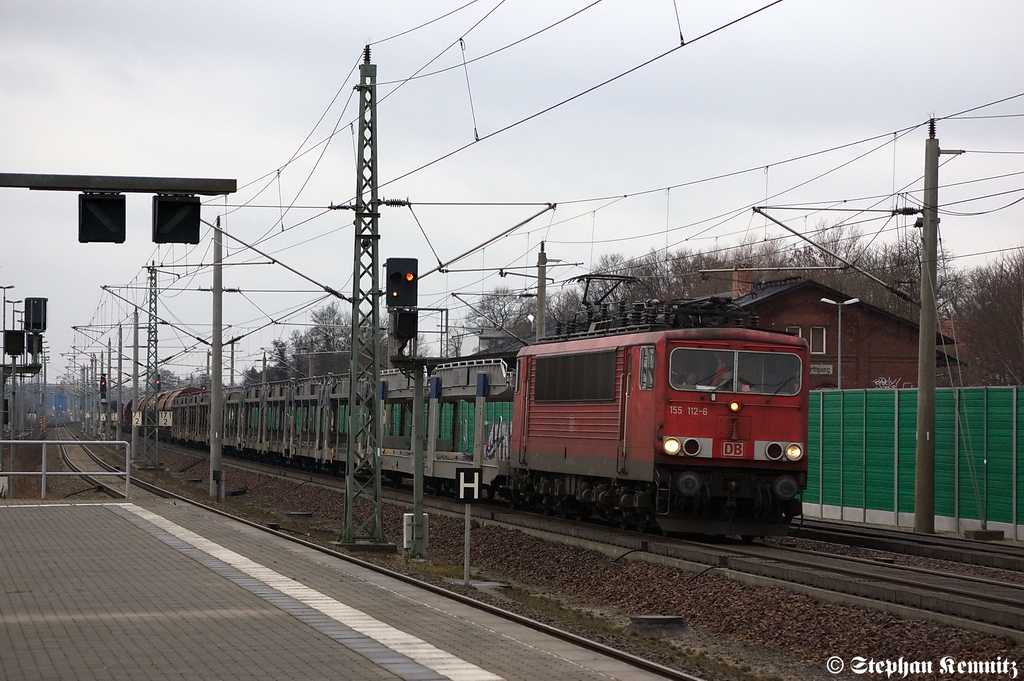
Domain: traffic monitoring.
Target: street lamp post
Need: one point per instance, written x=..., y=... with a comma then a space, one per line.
x=12, y=412
x=4, y=289
x=12, y=303
x=839, y=334
x=3, y=376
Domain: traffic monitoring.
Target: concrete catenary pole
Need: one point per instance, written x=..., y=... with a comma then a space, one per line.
x=924, y=484
x=136, y=408
x=120, y=378
x=216, y=371
x=542, y=292
x=109, y=428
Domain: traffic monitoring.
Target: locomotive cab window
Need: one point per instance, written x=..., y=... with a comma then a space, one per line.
x=769, y=373
x=763, y=373
x=697, y=369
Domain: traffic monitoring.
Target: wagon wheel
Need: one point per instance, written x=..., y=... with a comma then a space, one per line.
x=515, y=500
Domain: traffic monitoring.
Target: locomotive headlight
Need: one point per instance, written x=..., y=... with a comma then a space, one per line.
x=794, y=452
x=734, y=406
x=671, y=446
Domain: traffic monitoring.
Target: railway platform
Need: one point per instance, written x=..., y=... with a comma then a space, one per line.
x=164, y=590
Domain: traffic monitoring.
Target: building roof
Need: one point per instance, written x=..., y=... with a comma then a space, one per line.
x=770, y=290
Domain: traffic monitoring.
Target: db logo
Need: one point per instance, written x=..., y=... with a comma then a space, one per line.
x=733, y=449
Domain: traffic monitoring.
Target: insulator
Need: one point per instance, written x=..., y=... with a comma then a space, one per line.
x=366, y=55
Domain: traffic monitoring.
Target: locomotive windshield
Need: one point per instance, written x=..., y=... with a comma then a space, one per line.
x=763, y=373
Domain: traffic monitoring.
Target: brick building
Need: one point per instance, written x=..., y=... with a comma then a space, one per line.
x=879, y=349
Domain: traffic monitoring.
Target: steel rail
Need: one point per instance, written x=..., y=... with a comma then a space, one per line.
x=585, y=643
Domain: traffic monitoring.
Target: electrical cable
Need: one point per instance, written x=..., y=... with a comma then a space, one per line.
x=984, y=212
x=576, y=96
x=492, y=52
x=424, y=25
x=982, y=106
x=425, y=237
x=409, y=79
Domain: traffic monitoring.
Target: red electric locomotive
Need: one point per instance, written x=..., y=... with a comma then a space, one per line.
x=683, y=429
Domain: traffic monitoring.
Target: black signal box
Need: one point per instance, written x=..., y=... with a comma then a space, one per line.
x=35, y=314
x=34, y=343
x=175, y=219
x=404, y=325
x=402, y=282
x=101, y=218
x=14, y=343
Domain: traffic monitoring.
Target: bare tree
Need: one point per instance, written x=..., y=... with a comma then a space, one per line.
x=331, y=338
x=991, y=314
x=503, y=310
x=986, y=303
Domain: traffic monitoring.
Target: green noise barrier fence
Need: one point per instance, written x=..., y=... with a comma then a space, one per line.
x=861, y=466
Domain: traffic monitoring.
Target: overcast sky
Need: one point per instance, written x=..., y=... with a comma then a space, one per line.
x=254, y=91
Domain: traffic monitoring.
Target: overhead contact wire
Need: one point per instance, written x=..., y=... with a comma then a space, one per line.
x=579, y=94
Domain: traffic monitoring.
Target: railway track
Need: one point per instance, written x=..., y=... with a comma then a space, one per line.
x=82, y=459
x=986, y=554
x=640, y=663
x=982, y=603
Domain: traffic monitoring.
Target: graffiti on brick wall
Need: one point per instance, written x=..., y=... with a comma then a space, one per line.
x=886, y=383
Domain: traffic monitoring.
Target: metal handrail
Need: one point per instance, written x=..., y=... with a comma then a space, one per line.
x=126, y=474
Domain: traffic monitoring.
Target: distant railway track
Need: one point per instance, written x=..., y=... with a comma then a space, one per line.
x=940, y=547
x=983, y=603
x=87, y=461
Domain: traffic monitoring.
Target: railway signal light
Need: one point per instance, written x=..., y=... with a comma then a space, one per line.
x=404, y=324
x=35, y=314
x=14, y=342
x=103, y=387
x=175, y=219
x=402, y=282
x=34, y=344
x=101, y=217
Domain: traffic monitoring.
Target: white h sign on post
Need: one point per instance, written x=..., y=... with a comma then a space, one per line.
x=468, y=482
